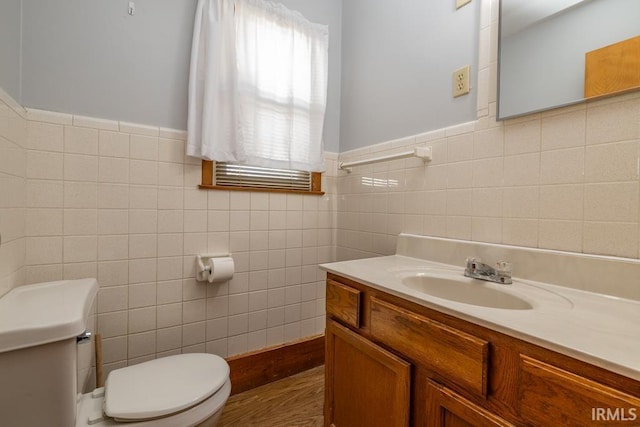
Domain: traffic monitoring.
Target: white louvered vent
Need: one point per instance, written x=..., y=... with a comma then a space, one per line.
x=233, y=175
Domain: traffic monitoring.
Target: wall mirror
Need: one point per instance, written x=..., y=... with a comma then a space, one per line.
x=543, y=44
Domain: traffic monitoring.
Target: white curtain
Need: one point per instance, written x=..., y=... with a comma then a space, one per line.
x=270, y=110
x=212, y=83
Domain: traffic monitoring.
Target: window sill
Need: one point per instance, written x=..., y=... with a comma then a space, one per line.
x=260, y=190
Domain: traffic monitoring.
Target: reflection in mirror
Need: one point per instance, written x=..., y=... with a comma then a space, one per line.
x=543, y=45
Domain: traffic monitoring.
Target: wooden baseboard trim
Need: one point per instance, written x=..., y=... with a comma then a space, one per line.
x=252, y=370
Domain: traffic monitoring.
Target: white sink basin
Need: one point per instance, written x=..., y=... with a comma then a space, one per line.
x=466, y=291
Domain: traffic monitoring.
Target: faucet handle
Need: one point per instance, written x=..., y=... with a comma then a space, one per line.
x=471, y=261
x=503, y=266
x=472, y=266
x=503, y=272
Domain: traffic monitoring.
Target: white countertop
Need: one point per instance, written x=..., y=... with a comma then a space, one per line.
x=599, y=329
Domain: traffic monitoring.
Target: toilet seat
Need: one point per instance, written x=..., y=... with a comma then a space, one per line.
x=181, y=390
x=164, y=386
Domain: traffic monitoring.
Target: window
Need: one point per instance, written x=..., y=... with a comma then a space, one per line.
x=229, y=176
x=258, y=86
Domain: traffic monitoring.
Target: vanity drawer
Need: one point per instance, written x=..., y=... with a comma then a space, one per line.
x=453, y=354
x=548, y=395
x=343, y=303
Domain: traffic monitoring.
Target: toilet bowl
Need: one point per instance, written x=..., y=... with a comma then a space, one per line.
x=40, y=327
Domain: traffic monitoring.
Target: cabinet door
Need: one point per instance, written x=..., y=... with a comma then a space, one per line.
x=445, y=408
x=366, y=386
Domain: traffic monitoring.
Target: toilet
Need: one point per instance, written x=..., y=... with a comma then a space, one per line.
x=42, y=330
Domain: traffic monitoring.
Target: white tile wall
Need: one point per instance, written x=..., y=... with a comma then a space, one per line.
x=566, y=179
x=120, y=202
x=13, y=200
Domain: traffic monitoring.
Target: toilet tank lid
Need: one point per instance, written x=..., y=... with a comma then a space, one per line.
x=46, y=312
x=163, y=386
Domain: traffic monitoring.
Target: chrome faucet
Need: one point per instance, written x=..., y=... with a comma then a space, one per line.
x=479, y=270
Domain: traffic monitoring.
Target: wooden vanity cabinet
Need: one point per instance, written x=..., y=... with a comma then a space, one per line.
x=391, y=362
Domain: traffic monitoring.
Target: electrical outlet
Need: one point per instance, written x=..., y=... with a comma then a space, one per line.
x=460, y=3
x=461, y=81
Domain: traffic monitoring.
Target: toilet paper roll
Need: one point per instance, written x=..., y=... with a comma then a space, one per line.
x=221, y=269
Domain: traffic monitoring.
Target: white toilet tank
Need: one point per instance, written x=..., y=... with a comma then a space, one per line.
x=38, y=352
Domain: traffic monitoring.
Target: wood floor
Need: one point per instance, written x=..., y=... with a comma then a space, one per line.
x=291, y=402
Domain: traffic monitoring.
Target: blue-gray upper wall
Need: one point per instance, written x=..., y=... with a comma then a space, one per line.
x=390, y=63
x=91, y=58
x=10, y=21
x=397, y=65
